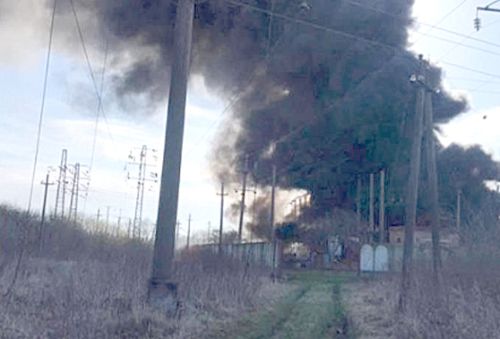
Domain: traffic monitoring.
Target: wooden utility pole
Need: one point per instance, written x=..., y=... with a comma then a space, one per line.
x=371, y=217
x=162, y=291
x=381, y=222
x=243, y=193
x=221, y=221
x=271, y=222
x=41, y=234
x=189, y=231
x=412, y=190
x=430, y=150
x=459, y=208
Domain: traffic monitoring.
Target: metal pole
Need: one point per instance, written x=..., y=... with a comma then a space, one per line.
x=62, y=168
x=221, y=222
x=358, y=202
x=382, y=208
x=243, y=193
x=371, y=216
x=46, y=183
x=72, y=199
x=162, y=291
x=143, y=183
x=77, y=170
x=189, y=232
x=271, y=222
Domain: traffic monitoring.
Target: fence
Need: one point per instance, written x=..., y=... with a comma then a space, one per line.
x=255, y=253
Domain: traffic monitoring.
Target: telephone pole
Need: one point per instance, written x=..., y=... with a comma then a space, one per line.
x=371, y=216
x=162, y=291
x=412, y=190
x=358, y=202
x=459, y=208
x=243, y=193
x=221, y=221
x=271, y=222
x=41, y=234
x=189, y=232
x=430, y=150
x=381, y=221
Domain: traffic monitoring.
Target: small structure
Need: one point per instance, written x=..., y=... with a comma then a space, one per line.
x=374, y=258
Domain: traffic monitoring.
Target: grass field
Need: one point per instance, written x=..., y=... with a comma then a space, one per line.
x=312, y=309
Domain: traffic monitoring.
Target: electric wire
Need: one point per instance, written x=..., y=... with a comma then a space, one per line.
x=96, y=124
x=42, y=105
x=445, y=30
x=89, y=65
x=446, y=16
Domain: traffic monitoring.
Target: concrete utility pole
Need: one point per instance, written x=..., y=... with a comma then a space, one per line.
x=61, y=183
x=412, y=190
x=189, y=231
x=459, y=209
x=381, y=222
x=430, y=150
x=41, y=234
x=371, y=217
x=221, y=222
x=271, y=222
x=358, y=202
x=243, y=193
x=162, y=291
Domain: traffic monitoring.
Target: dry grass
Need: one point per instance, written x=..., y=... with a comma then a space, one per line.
x=86, y=285
x=467, y=305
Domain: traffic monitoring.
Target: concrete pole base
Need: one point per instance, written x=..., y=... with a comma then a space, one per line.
x=162, y=296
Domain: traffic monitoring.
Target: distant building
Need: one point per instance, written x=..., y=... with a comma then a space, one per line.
x=423, y=236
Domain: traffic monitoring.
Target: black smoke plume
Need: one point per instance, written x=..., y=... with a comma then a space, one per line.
x=335, y=94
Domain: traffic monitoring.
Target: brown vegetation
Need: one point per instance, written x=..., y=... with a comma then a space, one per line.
x=85, y=285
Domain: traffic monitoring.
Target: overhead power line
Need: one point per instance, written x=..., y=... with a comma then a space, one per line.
x=316, y=26
x=400, y=17
x=473, y=70
x=446, y=16
x=460, y=43
x=89, y=65
x=42, y=105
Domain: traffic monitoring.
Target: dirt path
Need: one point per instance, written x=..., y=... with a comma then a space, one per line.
x=312, y=310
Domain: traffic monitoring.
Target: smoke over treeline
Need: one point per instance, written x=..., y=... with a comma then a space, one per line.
x=340, y=104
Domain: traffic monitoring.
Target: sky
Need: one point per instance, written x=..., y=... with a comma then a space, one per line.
x=69, y=118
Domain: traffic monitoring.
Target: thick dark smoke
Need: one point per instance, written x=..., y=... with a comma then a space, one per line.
x=340, y=106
